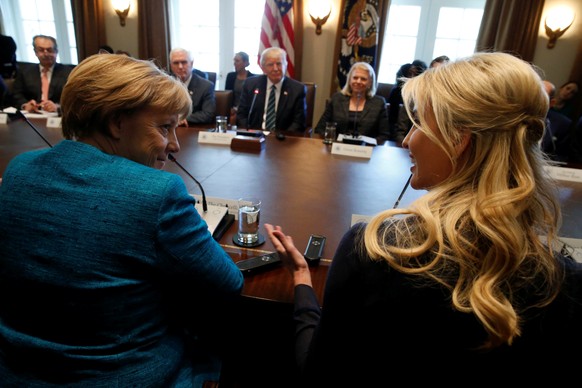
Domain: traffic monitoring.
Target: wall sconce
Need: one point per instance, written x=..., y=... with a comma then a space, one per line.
x=319, y=10
x=557, y=22
x=121, y=7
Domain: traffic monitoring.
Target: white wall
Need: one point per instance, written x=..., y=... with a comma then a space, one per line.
x=557, y=63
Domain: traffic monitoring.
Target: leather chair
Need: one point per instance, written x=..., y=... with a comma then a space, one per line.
x=223, y=102
x=310, y=101
x=212, y=77
x=384, y=90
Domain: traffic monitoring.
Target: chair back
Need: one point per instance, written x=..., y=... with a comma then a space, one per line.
x=223, y=102
x=310, y=101
x=212, y=77
x=384, y=90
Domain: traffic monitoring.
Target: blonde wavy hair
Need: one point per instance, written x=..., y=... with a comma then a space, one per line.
x=103, y=86
x=477, y=232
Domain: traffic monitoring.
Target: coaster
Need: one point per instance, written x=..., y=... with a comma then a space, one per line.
x=260, y=241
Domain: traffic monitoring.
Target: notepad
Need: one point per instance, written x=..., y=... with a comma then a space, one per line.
x=213, y=216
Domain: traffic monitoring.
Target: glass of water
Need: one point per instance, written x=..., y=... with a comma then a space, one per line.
x=249, y=211
x=329, y=134
x=221, y=124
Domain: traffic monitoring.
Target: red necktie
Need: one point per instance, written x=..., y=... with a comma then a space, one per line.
x=44, y=85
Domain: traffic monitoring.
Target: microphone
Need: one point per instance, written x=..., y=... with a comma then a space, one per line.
x=402, y=193
x=356, y=134
x=256, y=93
x=21, y=115
x=204, y=203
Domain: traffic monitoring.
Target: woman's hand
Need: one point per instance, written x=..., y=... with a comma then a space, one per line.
x=291, y=258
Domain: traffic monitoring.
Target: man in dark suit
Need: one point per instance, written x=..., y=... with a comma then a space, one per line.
x=290, y=96
x=8, y=64
x=28, y=85
x=201, y=90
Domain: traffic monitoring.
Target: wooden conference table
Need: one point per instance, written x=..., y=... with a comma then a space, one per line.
x=303, y=187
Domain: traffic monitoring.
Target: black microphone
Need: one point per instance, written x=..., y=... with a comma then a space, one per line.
x=356, y=134
x=256, y=93
x=21, y=115
x=204, y=203
x=402, y=193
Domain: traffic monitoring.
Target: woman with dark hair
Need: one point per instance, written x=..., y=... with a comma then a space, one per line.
x=563, y=102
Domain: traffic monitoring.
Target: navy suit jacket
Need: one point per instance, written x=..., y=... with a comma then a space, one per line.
x=556, y=140
x=290, y=109
x=203, y=100
x=372, y=120
x=27, y=84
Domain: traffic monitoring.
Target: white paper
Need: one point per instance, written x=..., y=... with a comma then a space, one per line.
x=216, y=137
x=357, y=151
x=565, y=174
x=212, y=216
x=53, y=122
x=230, y=204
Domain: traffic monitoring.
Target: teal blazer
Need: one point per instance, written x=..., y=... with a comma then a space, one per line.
x=107, y=272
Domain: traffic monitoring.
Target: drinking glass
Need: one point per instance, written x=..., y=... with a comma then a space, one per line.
x=329, y=134
x=249, y=211
x=221, y=124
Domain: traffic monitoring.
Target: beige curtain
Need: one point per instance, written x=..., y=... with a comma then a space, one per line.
x=511, y=26
x=383, y=8
x=153, y=31
x=89, y=26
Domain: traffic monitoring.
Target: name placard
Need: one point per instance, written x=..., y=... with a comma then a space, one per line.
x=231, y=204
x=565, y=174
x=215, y=137
x=53, y=122
x=3, y=118
x=356, y=151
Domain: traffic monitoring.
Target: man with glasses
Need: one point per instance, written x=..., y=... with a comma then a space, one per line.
x=38, y=88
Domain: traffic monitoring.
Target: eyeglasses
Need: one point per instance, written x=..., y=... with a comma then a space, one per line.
x=45, y=50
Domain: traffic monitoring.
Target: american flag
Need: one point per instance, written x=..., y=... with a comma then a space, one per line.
x=277, y=30
x=353, y=37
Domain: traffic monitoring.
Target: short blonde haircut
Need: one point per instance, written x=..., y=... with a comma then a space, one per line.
x=371, y=91
x=105, y=85
x=477, y=232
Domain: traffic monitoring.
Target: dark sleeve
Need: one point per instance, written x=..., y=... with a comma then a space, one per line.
x=306, y=316
x=204, y=109
x=395, y=100
x=21, y=92
x=229, y=84
x=320, y=332
x=299, y=110
x=383, y=129
x=244, y=105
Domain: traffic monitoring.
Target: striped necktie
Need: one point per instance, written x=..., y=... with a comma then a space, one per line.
x=271, y=120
